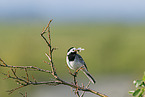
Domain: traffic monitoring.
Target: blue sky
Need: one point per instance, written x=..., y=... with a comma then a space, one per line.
x=73, y=9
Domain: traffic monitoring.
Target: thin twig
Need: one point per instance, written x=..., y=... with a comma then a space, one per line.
x=26, y=67
x=23, y=94
x=14, y=72
x=3, y=62
x=47, y=62
x=16, y=78
x=53, y=49
x=48, y=57
x=34, y=79
x=43, y=32
x=86, y=87
x=12, y=90
x=27, y=75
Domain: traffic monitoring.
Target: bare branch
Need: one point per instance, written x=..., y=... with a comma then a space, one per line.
x=23, y=94
x=12, y=90
x=34, y=79
x=27, y=75
x=48, y=57
x=43, y=32
x=14, y=72
x=26, y=67
x=25, y=81
x=15, y=78
x=53, y=49
x=3, y=62
x=47, y=62
x=86, y=87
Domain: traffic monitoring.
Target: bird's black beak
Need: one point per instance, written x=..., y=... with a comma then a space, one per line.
x=76, y=51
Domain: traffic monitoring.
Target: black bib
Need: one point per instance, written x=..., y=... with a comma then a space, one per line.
x=71, y=56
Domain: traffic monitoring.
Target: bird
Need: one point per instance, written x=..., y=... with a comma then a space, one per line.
x=75, y=62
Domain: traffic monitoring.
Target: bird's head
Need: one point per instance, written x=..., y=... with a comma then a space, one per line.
x=74, y=50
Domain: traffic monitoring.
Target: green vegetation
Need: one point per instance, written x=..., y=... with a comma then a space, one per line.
x=140, y=87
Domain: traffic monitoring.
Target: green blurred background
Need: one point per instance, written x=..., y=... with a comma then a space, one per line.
x=114, y=43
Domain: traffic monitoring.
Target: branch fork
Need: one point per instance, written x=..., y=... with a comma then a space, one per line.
x=25, y=81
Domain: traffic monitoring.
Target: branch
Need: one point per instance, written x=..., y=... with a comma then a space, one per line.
x=25, y=67
x=23, y=94
x=43, y=32
x=86, y=87
x=26, y=81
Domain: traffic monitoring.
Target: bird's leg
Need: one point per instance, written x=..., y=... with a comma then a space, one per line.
x=75, y=73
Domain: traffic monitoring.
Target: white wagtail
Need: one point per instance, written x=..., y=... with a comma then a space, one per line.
x=75, y=61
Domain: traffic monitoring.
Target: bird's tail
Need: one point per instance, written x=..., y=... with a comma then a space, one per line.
x=89, y=76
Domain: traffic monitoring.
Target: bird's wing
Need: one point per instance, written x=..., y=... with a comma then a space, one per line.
x=81, y=60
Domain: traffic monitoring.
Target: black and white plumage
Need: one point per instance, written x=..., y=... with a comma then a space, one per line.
x=75, y=61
